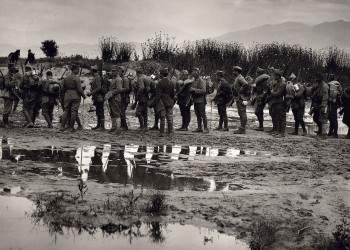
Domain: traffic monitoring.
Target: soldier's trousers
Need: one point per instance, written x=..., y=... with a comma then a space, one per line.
x=320, y=119
x=168, y=114
x=199, y=109
x=142, y=114
x=156, y=117
x=8, y=103
x=298, y=114
x=259, y=111
x=242, y=112
x=222, y=111
x=124, y=106
x=100, y=112
x=31, y=106
x=47, y=109
x=333, y=118
x=186, y=115
x=70, y=107
x=279, y=117
x=114, y=108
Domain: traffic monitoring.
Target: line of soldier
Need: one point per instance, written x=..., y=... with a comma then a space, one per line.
x=162, y=90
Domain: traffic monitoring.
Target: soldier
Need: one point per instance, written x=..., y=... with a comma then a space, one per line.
x=260, y=90
x=125, y=98
x=113, y=97
x=298, y=108
x=10, y=93
x=183, y=97
x=241, y=93
x=346, y=109
x=72, y=90
x=320, y=104
x=198, y=94
x=142, y=90
x=153, y=93
x=277, y=104
x=335, y=93
x=223, y=96
x=50, y=92
x=165, y=100
x=30, y=87
x=30, y=58
x=97, y=98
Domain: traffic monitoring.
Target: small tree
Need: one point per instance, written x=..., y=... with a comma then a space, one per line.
x=50, y=48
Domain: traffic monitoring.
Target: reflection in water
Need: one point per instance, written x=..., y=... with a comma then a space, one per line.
x=128, y=165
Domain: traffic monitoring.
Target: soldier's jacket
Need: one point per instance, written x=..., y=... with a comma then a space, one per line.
x=298, y=100
x=71, y=88
x=200, y=90
x=182, y=92
x=116, y=87
x=48, y=95
x=240, y=89
x=125, y=90
x=261, y=84
x=12, y=82
x=320, y=96
x=278, y=91
x=224, y=93
x=142, y=88
x=96, y=87
x=165, y=92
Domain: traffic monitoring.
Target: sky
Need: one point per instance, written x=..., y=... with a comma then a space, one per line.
x=27, y=21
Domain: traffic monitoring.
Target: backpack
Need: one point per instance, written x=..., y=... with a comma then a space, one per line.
x=289, y=90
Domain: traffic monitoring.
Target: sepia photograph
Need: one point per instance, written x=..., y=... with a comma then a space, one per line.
x=168, y=125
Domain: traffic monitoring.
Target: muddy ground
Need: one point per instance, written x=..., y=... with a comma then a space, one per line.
x=300, y=185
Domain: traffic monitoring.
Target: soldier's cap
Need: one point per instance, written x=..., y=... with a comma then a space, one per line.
x=28, y=68
x=94, y=68
x=196, y=69
x=237, y=68
x=156, y=72
x=74, y=66
x=184, y=72
x=29, y=50
x=164, y=71
x=49, y=73
x=271, y=69
x=260, y=70
x=220, y=73
x=114, y=68
x=278, y=72
x=121, y=68
x=10, y=65
x=292, y=76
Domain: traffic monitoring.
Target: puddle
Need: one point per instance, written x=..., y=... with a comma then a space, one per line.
x=18, y=231
x=129, y=165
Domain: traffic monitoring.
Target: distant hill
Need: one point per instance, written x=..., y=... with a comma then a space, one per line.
x=317, y=36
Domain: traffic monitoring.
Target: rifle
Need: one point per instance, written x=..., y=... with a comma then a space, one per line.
x=65, y=70
x=22, y=68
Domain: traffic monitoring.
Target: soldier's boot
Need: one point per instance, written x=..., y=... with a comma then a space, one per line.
x=335, y=129
x=140, y=121
x=48, y=120
x=28, y=119
x=261, y=121
x=221, y=120
x=199, y=125
x=331, y=128
x=296, y=128
x=145, y=124
x=15, y=107
x=80, y=127
x=155, y=126
x=162, y=127
x=225, y=124
x=5, y=119
x=124, y=125
x=170, y=127
x=182, y=126
x=114, y=125
x=102, y=125
x=205, y=125
x=98, y=124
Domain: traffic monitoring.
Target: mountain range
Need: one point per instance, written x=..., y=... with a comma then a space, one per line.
x=82, y=43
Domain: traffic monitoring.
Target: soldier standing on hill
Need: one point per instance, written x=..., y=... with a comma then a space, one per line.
x=97, y=98
x=223, y=96
x=72, y=90
x=165, y=100
x=10, y=84
x=125, y=98
x=30, y=58
x=183, y=97
x=241, y=92
x=260, y=90
x=142, y=90
x=198, y=94
x=277, y=104
x=50, y=93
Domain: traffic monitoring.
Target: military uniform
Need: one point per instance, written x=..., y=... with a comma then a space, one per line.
x=114, y=100
x=346, y=109
x=50, y=92
x=298, y=108
x=30, y=88
x=335, y=92
x=142, y=89
x=98, y=101
x=165, y=93
x=71, y=87
x=241, y=92
x=11, y=84
x=223, y=96
x=277, y=106
x=184, y=102
x=125, y=100
x=260, y=90
x=320, y=107
x=198, y=92
x=152, y=96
